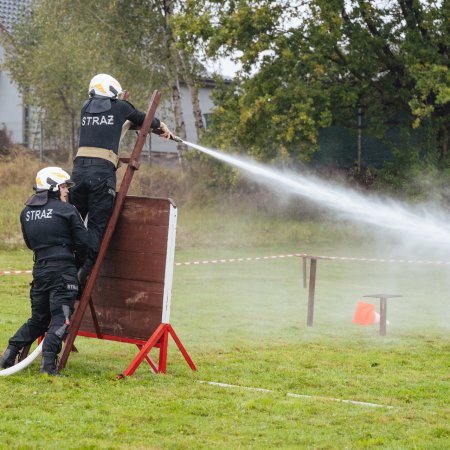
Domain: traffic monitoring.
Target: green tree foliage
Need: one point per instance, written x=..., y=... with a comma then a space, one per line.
x=309, y=64
x=37, y=60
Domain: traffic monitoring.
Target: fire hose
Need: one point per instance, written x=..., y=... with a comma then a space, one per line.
x=22, y=364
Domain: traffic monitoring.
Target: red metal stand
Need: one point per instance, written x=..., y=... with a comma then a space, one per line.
x=159, y=339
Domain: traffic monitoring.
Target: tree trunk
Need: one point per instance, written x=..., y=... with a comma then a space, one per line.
x=189, y=74
x=196, y=110
x=180, y=126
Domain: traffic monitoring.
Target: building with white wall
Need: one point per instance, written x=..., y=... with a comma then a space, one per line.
x=13, y=115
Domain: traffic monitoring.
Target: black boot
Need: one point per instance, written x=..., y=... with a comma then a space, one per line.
x=9, y=356
x=48, y=365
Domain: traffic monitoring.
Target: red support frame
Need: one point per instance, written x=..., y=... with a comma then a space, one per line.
x=159, y=339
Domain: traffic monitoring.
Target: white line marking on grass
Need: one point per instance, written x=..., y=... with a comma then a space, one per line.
x=354, y=402
x=290, y=394
x=214, y=383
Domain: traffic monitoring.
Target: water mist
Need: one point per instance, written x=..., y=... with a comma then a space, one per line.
x=420, y=224
x=424, y=231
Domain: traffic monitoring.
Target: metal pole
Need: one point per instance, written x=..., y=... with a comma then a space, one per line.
x=312, y=289
x=149, y=147
x=304, y=272
x=359, y=138
x=383, y=315
x=41, y=141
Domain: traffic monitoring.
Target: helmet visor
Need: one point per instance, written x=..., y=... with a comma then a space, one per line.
x=68, y=184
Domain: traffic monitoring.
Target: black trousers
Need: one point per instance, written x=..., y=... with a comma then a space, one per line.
x=93, y=195
x=53, y=293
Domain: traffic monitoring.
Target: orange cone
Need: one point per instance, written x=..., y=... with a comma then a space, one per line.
x=365, y=314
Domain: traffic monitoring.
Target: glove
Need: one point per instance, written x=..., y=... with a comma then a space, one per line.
x=165, y=130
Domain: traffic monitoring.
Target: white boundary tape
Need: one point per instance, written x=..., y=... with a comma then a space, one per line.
x=267, y=258
x=306, y=255
x=382, y=260
x=14, y=272
x=232, y=260
x=290, y=394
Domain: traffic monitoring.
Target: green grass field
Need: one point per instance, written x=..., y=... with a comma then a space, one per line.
x=284, y=385
x=244, y=324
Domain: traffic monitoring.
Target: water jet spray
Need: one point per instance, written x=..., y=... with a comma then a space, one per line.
x=384, y=212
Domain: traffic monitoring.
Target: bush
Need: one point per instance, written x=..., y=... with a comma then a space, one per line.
x=17, y=172
x=5, y=142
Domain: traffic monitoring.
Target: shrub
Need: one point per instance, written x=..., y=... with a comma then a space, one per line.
x=5, y=142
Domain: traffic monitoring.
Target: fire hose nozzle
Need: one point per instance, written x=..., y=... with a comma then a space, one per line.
x=172, y=136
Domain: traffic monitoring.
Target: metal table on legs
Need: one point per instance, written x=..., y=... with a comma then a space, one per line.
x=383, y=309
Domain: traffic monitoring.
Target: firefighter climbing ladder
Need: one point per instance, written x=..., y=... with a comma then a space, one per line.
x=159, y=338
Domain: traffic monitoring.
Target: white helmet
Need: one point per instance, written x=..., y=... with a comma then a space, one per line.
x=50, y=178
x=104, y=85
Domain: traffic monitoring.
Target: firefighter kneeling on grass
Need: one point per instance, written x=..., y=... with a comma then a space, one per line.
x=54, y=230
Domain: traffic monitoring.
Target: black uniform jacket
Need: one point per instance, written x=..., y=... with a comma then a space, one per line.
x=102, y=120
x=54, y=230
